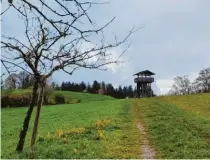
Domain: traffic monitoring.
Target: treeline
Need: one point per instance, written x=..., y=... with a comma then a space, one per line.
x=183, y=86
x=23, y=80
x=98, y=88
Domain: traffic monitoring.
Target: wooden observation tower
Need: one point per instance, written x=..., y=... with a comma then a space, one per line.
x=143, y=82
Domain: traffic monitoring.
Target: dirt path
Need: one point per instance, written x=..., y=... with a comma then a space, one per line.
x=146, y=149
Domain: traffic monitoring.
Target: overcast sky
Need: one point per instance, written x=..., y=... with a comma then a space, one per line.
x=174, y=39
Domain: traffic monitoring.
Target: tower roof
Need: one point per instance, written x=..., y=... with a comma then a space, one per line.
x=146, y=73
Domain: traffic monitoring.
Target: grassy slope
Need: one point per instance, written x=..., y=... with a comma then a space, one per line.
x=178, y=127
x=84, y=97
x=198, y=104
x=174, y=126
x=120, y=136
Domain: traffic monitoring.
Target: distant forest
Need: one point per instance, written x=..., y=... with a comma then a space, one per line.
x=97, y=88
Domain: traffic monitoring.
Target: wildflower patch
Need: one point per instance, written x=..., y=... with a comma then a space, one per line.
x=100, y=124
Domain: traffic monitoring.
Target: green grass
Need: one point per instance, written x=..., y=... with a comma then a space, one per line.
x=120, y=135
x=198, y=104
x=177, y=127
x=84, y=97
x=175, y=132
x=69, y=95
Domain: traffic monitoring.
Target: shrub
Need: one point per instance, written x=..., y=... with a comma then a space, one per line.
x=72, y=101
x=15, y=101
x=59, y=99
x=51, y=101
x=10, y=99
x=48, y=96
x=77, y=101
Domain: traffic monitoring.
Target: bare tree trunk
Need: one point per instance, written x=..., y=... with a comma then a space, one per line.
x=24, y=129
x=36, y=121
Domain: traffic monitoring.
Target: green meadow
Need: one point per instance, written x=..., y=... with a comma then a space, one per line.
x=103, y=127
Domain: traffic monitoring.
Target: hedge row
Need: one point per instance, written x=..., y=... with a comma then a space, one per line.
x=14, y=100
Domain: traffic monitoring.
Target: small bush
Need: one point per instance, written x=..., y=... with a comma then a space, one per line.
x=59, y=99
x=77, y=101
x=48, y=96
x=51, y=101
x=10, y=99
x=72, y=101
x=15, y=101
x=40, y=139
x=68, y=101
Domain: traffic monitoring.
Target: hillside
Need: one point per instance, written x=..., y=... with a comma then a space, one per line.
x=99, y=129
x=175, y=126
x=69, y=95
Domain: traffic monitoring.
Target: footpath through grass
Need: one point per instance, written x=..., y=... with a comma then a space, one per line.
x=176, y=132
x=87, y=130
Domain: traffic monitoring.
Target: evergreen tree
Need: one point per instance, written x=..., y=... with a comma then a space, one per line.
x=95, y=87
x=125, y=90
x=89, y=88
x=110, y=89
x=76, y=87
x=120, y=92
x=82, y=86
x=130, y=91
x=115, y=93
x=72, y=86
x=62, y=86
x=103, y=85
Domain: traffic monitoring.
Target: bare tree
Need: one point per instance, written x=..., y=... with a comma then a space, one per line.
x=196, y=87
x=174, y=90
x=11, y=82
x=2, y=84
x=25, y=80
x=20, y=80
x=181, y=86
x=203, y=80
x=55, y=39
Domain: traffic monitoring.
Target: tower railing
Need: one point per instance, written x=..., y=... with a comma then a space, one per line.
x=144, y=79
